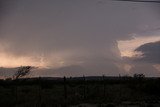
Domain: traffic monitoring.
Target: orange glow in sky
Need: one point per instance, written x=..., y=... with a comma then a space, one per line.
x=7, y=60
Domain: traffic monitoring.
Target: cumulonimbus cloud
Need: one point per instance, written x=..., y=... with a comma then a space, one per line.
x=72, y=37
x=150, y=52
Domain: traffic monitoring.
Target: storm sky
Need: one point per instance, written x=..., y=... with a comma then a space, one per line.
x=80, y=37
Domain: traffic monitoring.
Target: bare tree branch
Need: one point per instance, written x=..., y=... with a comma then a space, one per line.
x=22, y=71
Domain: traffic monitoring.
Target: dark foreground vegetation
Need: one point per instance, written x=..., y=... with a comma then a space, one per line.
x=81, y=92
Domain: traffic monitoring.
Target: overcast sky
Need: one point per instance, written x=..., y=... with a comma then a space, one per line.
x=80, y=37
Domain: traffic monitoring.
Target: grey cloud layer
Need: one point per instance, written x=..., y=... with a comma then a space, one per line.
x=150, y=52
x=143, y=1
x=86, y=31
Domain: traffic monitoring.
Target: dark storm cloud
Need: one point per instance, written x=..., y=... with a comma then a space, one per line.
x=2, y=8
x=150, y=52
x=38, y=26
x=83, y=34
x=143, y=1
x=5, y=6
x=154, y=3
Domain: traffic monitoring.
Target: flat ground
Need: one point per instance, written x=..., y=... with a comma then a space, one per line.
x=81, y=92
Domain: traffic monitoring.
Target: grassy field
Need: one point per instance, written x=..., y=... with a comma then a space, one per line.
x=81, y=92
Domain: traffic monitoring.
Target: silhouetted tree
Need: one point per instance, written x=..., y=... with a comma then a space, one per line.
x=104, y=86
x=139, y=76
x=65, y=88
x=84, y=85
x=22, y=71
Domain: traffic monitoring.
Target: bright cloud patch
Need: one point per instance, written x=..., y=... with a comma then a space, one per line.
x=157, y=66
x=141, y=49
x=127, y=47
x=7, y=60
